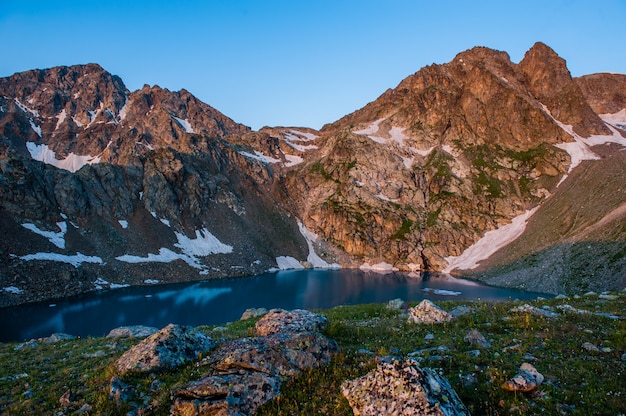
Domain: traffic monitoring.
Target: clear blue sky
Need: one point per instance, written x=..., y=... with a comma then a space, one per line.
x=297, y=63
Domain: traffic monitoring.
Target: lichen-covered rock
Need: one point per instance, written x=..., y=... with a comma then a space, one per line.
x=230, y=394
x=253, y=313
x=428, y=313
x=533, y=310
x=298, y=320
x=402, y=388
x=476, y=339
x=133, y=331
x=247, y=372
x=527, y=379
x=171, y=347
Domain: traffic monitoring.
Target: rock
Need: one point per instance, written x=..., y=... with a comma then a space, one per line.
x=477, y=339
x=253, y=313
x=428, y=313
x=468, y=380
x=526, y=308
x=402, y=388
x=247, y=372
x=170, y=347
x=527, y=379
x=299, y=320
x=429, y=337
x=473, y=353
x=230, y=394
x=460, y=310
x=624, y=357
x=66, y=398
x=608, y=296
x=591, y=347
x=56, y=337
x=133, y=331
x=395, y=304
x=119, y=391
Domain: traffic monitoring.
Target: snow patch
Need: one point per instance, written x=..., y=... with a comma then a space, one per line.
x=491, y=242
x=56, y=238
x=13, y=290
x=25, y=109
x=78, y=123
x=315, y=260
x=123, y=223
x=184, y=124
x=61, y=118
x=203, y=245
x=288, y=262
x=397, y=135
x=122, y=114
x=372, y=128
x=307, y=136
x=151, y=281
x=423, y=152
x=260, y=157
x=441, y=292
x=72, y=162
x=36, y=128
x=75, y=260
x=166, y=222
x=293, y=160
x=579, y=150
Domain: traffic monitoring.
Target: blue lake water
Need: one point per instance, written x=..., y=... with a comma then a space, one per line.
x=224, y=300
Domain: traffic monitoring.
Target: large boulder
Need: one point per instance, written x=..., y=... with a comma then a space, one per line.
x=170, y=347
x=298, y=320
x=402, y=388
x=428, y=313
x=247, y=372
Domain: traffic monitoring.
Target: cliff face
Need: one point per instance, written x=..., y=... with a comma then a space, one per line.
x=153, y=185
x=453, y=151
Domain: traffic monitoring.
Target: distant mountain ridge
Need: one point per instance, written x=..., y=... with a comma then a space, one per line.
x=102, y=186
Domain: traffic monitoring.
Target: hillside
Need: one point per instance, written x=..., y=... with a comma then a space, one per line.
x=103, y=187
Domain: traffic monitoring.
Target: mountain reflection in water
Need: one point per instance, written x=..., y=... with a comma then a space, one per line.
x=224, y=300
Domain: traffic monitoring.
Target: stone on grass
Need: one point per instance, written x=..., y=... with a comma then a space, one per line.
x=533, y=310
x=460, y=310
x=168, y=348
x=591, y=347
x=133, y=331
x=476, y=339
x=527, y=379
x=428, y=313
x=252, y=313
x=298, y=320
x=402, y=388
x=395, y=304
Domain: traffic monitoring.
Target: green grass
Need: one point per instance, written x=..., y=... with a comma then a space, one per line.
x=577, y=382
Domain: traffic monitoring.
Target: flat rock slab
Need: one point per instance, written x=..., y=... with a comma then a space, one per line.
x=402, y=388
x=133, y=331
x=168, y=348
x=298, y=320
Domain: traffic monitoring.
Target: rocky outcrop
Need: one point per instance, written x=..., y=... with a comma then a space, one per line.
x=246, y=373
x=169, y=348
x=402, y=388
x=527, y=379
x=427, y=312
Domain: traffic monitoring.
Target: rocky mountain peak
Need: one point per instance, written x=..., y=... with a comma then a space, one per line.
x=550, y=82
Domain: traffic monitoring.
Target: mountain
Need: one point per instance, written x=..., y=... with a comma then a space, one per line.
x=104, y=187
